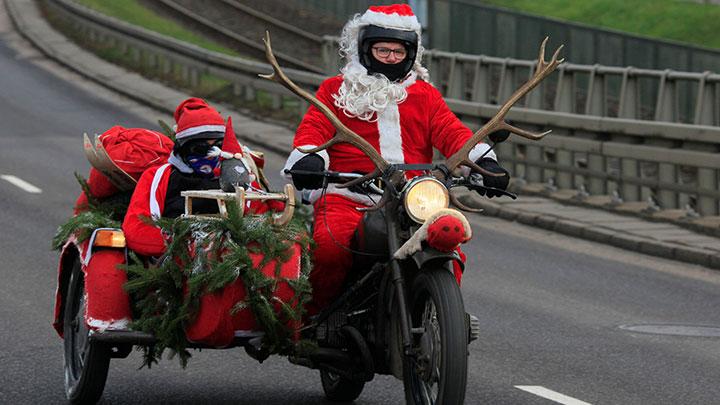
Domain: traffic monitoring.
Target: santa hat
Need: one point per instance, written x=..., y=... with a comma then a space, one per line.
x=395, y=16
x=196, y=119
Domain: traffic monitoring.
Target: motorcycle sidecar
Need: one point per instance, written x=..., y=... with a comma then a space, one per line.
x=93, y=312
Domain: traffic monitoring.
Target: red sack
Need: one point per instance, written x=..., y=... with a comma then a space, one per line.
x=133, y=150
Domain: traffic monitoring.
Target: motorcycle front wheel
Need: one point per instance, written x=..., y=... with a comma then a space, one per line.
x=436, y=373
x=86, y=363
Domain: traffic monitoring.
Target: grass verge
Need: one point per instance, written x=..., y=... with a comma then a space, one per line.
x=677, y=20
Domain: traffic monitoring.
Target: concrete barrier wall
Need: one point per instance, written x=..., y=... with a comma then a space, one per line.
x=675, y=164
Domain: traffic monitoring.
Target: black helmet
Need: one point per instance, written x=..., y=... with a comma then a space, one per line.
x=371, y=34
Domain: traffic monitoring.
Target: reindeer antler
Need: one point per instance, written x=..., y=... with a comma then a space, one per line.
x=543, y=69
x=343, y=134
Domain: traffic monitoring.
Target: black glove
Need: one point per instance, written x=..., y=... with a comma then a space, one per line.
x=311, y=163
x=500, y=182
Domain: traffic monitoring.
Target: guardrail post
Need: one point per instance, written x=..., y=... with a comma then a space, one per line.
x=628, y=95
x=565, y=92
x=166, y=66
x=595, y=101
x=667, y=172
x=629, y=168
x=707, y=106
x=564, y=179
x=506, y=86
x=707, y=180
x=596, y=185
x=533, y=156
x=666, y=108
x=481, y=78
x=193, y=77
x=455, y=80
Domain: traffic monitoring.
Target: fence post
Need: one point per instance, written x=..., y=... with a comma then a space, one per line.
x=455, y=80
x=707, y=179
x=481, y=77
x=666, y=108
x=667, y=173
x=707, y=105
x=629, y=168
x=565, y=93
x=628, y=95
x=533, y=174
x=505, y=88
x=596, y=185
x=595, y=102
x=564, y=179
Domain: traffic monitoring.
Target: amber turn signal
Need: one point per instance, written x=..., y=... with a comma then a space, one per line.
x=109, y=238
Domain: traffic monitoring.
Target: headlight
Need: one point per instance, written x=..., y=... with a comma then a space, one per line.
x=424, y=197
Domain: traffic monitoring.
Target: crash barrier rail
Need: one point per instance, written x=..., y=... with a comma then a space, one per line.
x=609, y=160
x=603, y=91
x=254, y=45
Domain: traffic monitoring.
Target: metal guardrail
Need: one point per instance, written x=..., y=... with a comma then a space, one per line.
x=601, y=155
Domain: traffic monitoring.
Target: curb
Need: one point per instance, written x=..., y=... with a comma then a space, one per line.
x=652, y=247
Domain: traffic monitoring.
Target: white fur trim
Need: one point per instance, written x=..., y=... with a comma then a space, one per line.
x=390, y=134
x=154, y=206
x=394, y=20
x=199, y=129
x=113, y=324
x=296, y=155
x=414, y=244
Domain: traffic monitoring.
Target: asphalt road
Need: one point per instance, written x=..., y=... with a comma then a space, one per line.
x=550, y=307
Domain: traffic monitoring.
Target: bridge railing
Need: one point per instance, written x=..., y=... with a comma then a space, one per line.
x=674, y=164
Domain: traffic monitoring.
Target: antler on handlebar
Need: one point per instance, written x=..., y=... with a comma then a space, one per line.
x=543, y=69
x=343, y=134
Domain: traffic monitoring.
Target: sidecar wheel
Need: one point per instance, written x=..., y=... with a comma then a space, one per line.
x=86, y=363
x=437, y=373
x=340, y=389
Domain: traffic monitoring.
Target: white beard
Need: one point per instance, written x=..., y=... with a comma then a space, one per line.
x=365, y=96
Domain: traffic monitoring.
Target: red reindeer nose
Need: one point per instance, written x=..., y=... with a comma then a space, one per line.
x=446, y=233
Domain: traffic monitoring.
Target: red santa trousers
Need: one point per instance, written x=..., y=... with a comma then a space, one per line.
x=336, y=218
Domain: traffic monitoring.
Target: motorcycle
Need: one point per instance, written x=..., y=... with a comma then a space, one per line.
x=401, y=311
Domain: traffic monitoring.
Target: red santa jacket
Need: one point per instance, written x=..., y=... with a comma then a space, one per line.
x=148, y=200
x=404, y=133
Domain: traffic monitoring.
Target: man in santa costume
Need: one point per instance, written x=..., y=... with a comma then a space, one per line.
x=383, y=95
x=201, y=138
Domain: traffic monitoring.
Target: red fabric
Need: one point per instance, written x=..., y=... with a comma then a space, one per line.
x=133, y=150
x=216, y=326
x=400, y=9
x=230, y=142
x=336, y=219
x=425, y=121
x=107, y=301
x=142, y=237
x=446, y=233
x=195, y=113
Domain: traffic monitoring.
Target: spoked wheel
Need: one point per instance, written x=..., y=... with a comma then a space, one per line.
x=437, y=371
x=86, y=363
x=340, y=389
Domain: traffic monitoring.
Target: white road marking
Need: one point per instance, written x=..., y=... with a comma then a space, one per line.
x=551, y=395
x=16, y=181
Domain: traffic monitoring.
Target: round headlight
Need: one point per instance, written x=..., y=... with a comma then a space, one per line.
x=425, y=197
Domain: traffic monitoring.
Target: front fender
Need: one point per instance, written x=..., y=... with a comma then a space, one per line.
x=429, y=256
x=69, y=253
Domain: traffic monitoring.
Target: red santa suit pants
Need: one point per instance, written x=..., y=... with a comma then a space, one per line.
x=336, y=218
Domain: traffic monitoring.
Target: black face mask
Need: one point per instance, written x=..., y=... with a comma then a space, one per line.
x=393, y=72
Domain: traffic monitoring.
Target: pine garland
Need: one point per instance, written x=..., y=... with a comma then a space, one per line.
x=166, y=296
x=106, y=213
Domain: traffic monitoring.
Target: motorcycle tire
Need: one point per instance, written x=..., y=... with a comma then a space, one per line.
x=437, y=374
x=86, y=363
x=340, y=389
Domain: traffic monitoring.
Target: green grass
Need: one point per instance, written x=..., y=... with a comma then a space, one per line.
x=678, y=20
x=135, y=13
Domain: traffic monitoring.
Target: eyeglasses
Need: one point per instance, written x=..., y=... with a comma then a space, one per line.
x=385, y=52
